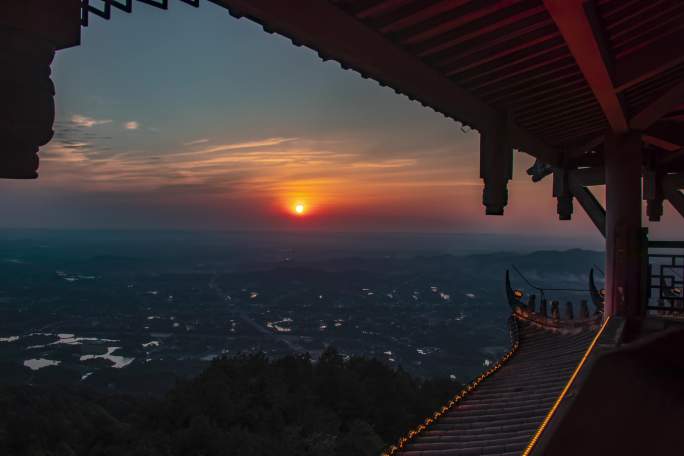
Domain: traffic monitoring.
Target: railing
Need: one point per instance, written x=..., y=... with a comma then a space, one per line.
x=567, y=317
x=665, y=281
x=103, y=8
x=549, y=416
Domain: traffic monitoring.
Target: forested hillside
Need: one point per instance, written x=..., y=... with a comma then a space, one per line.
x=246, y=405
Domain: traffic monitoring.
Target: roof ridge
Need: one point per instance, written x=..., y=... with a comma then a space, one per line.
x=474, y=427
x=467, y=389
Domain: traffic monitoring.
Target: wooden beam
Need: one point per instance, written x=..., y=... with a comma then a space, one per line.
x=660, y=142
x=666, y=135
x=672, y=157
x=652, y=191
x=562, y=193
x=423, y=14
x=677, y=117
x=658, y=108
x=675, y=181
x=649, y=61
x=334, y=34
x=460, y=20
x=578, y=152
x=574, y=25
x=476, y=29
x=588, y=177
x=674, y=196
x=593, y=208
x=380, y=8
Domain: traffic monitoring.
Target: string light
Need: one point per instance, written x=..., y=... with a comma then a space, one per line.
x=547, y=419
x=403, y=441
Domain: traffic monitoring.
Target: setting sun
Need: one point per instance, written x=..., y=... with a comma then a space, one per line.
x=299, y=209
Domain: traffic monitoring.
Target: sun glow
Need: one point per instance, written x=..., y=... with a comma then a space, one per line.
x=299, y=209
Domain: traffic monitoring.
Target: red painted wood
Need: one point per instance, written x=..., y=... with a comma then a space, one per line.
x=512, y=62
x=381, y=8
x=553, y=105
x=456, y=69
x=658, y=108
x=623, y=225
x=649, y=59
x=536, y=68
x=645, y=35
x=458, y=21
x=574, y=25
x=557, y=83
x=480, y=30
x=520, y=35
x=545, y=76
x=423, y=14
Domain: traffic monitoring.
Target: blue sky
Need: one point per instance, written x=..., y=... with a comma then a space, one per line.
x=190, y=118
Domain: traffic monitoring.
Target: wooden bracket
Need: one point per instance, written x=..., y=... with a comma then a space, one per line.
x=672, y=185
x=496, y=167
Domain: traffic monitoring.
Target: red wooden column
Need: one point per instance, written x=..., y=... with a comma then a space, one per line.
x=624, y=267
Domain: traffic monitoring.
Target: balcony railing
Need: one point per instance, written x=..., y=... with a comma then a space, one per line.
x=665, y=281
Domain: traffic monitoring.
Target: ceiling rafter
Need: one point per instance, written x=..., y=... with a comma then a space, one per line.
x=585, y=100
x=665, y=135
x=515, y=74
x=513, y=63
x=574, y=24
x=460, y=68
x=423, y=14
x=658, y=108
x=506, y=38
x=458, y=21
x=381, y=8
x=445, y=43
x=545, y=77
x=649, y=60
x=645, y=36
x=533, y=94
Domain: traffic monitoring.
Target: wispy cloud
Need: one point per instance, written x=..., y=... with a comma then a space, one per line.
x=247, y=145
x=398, y=163
x=333, y=170
x=196, y=142
x=131, y=125
x=83, y=121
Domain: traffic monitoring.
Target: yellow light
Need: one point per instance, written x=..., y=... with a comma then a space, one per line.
x=548, y=417
x=392, y=450
x=518, y=294
x=299, y=208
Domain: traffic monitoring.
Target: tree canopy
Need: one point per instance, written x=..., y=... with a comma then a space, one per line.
x=244, y=405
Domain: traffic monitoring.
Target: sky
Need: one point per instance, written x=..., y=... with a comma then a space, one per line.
x=192, y=119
